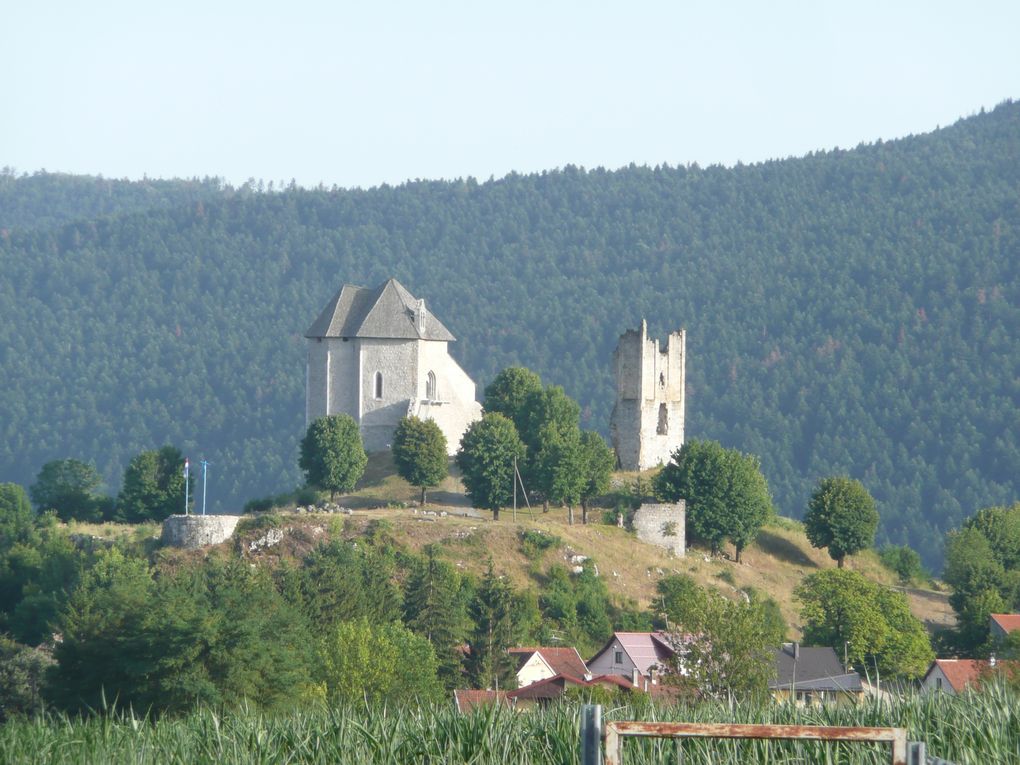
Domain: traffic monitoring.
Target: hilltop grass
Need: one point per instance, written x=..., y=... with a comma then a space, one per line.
x=779, y=559
x=972, y=729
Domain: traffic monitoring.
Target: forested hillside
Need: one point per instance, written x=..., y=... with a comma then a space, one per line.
x=44, y=199
x=849, y=311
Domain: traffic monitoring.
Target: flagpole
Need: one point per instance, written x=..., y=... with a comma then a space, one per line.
x=205, y=464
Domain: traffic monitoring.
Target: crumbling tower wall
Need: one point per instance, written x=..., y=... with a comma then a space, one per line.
x=647, y=423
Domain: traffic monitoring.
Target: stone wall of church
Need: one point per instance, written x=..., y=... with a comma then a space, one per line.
x=453, y=407
x=331, y=378
x=397, y=361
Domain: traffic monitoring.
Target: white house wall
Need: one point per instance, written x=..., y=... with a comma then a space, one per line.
x=534, y=669
x=605, y=663
x=931, y=682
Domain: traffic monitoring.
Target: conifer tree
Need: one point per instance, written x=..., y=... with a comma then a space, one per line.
x=492, y=611
x=433, y=608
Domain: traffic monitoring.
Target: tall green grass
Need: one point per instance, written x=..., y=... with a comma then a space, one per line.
x=975, y=729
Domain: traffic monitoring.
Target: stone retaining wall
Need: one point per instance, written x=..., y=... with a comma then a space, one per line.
x=193, y=531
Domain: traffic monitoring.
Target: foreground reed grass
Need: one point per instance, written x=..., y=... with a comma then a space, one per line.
x=975, y=729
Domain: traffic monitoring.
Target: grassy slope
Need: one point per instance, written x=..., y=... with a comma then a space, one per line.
x=774, y=565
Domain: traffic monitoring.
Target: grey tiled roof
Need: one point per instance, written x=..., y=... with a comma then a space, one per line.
x=815, y=668
x=387, y=311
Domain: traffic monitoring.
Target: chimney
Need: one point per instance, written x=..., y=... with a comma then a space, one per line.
x=420, y=314
x=635, y=677
x=796, y=651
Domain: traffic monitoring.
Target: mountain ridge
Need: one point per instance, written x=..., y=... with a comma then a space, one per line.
x=837, y=306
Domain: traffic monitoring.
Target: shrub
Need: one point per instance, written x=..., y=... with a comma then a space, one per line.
x=904, y=562
x=259, y=522
x=534, y=542
x=260, y=505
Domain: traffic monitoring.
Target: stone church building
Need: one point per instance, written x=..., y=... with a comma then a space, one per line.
x=379, y=355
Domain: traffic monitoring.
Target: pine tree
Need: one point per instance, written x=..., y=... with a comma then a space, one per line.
x=434, y=609
x=492, y=611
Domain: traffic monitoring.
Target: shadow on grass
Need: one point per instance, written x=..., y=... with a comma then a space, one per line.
x=783, y=549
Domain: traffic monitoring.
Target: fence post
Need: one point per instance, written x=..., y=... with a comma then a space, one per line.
x=591, y=734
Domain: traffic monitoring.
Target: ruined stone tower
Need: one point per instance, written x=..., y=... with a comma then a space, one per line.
x=647, y=424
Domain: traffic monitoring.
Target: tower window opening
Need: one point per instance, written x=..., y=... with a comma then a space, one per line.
x=378, y=384
x=662, y=428
x=662, y=380
x=430, y=386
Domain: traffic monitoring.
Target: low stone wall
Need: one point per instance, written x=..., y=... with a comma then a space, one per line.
x=193, y=531
x=663, y=525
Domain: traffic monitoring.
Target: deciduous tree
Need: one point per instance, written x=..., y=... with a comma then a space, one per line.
x=69, y=486
x=841, y=516
x=153, y=486
x=722, y=647
x=726, y=495
x=332, y=454
x=842, y=607
x=380, y=663
x=508, y=393
x=598, y=461
x=486, y=458
x=419, y=451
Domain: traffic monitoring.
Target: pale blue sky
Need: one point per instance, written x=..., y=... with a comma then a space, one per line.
x=359, y=94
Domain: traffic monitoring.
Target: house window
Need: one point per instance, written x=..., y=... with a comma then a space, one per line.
x=430, y=386
x=938, y=683
x=378, y=384
x=618, y=658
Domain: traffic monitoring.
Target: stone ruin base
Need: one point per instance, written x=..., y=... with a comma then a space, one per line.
x=194, y=531
x=663, y=525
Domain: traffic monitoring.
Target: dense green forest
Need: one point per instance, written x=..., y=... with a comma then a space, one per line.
x=851, y=311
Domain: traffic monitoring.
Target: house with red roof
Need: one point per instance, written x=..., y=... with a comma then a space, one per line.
x=466, y=700
x=542, y=662
x=634, y=655
x=1000, y=625
x=957, y=675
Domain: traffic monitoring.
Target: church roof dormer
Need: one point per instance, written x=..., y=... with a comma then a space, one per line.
x=388, y=311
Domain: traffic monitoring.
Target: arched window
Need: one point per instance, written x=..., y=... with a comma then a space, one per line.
x=663, y=427
x=378, y=384
x=430, y=386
